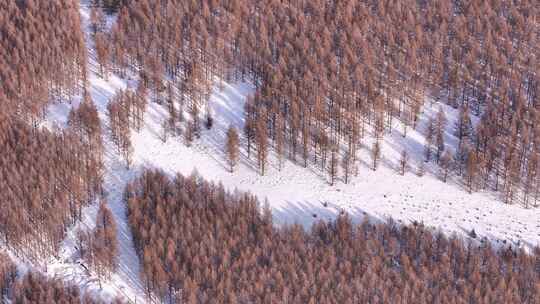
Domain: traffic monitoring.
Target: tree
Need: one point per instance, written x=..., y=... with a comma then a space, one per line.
x=463, y=127
x=102, y=244
x=439, y=142
x=97, y=19
x=231, y=147
x=421, y=169
x=165, y=129
x=35, y=213
x=209, y=121
x=430, y=133
x=536, y=187
x=189, y=133
x=103, y=53
x=441, y=120
x=511, y=180
x=346, y=165
x=445, y=164
x=376, y=154
x=405, y=121
x=471, y=170
x=440, y=126
x=333, y=166
x=280, y=140
x=127, y=151
x=262, y=145
x=305, y=143
x=249, y=133
x=171, y=122
x=195, y=120
x=532, y=174
x=403, y=162
x=460, y=157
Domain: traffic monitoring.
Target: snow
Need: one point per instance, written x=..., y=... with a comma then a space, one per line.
x=296, y=194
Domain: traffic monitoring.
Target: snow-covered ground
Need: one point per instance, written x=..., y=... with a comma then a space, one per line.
x=295, y=194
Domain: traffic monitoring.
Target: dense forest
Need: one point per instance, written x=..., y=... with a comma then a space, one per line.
x=34, y=288
x=45, y=176
x=201, y=244
x=332, y=80
x=327, y=71
x=42, y=55
x=46, y=179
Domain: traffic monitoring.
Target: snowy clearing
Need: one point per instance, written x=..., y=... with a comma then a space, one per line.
x=303, y=195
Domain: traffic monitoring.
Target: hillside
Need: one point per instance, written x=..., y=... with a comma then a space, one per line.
x=299, y=186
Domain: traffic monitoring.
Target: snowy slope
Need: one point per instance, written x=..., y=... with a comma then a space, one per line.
x=296, y=194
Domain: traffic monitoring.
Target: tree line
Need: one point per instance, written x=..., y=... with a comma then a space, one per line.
x=199, y=243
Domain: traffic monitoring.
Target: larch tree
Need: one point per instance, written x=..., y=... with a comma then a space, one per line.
x=375, y=154
x=471, y=170
x=403, y=162
x=440, y=128
x=103, y=53
x=333, y=166
x=429, y=138
x=347, y=163
x=446, y=164
x=463, y=126
x=232, y=147
x=261, y=139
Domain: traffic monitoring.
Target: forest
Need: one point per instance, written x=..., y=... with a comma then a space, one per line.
x=42, y=56
x=46, y=177
x=209, y=245
x=332, y=80
x=328, y=71
x=35, y=288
